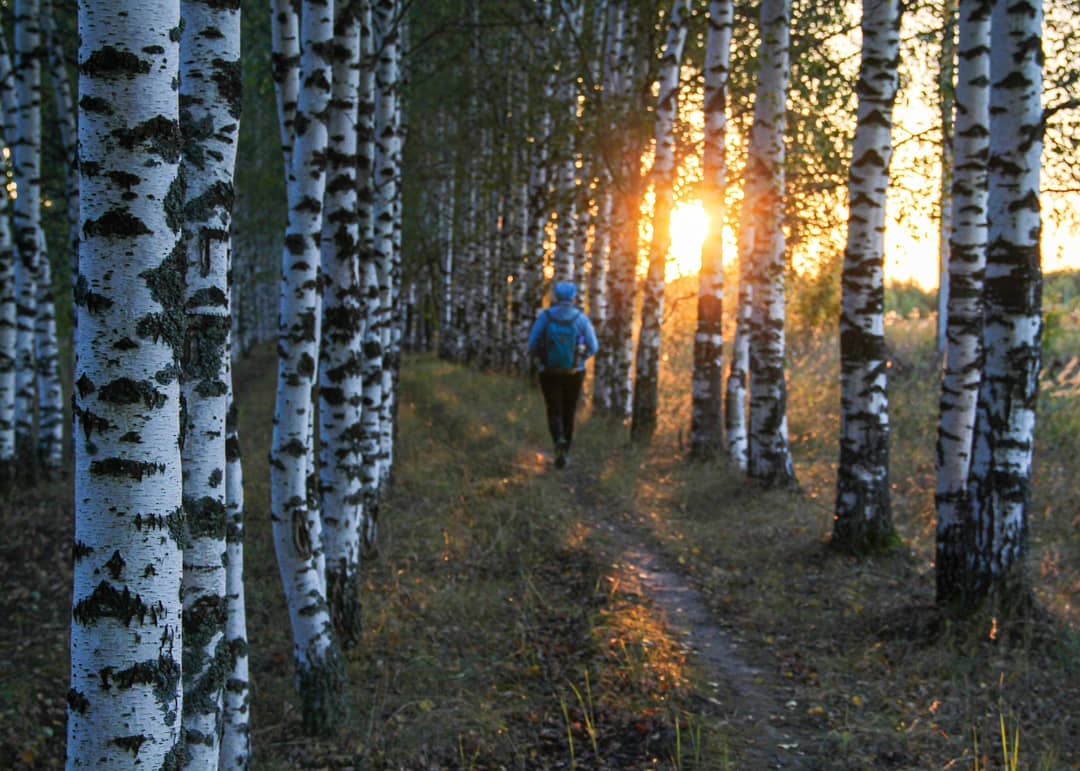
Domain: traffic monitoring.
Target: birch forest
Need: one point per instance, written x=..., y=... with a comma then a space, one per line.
x=275, y=476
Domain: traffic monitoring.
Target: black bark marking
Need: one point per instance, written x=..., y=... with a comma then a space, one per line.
x=127, y=391
x=108, y=602
x=96, y=105
x=159, y=135
x=123, y=467
x=116, y=223
x=110, y=62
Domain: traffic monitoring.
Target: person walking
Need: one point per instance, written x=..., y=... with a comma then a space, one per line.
x=561, y=340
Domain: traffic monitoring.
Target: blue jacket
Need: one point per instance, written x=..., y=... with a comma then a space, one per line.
x=563, y=311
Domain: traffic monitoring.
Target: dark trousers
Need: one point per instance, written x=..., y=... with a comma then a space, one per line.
x=561, y=392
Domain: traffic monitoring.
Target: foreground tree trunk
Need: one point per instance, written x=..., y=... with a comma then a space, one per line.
x=863, y=520
x=209, y=124
x=706, y=418
x=999, y=487
x=960, y=386
x=769, y=456
x=320, y=674
x=341, y=362
x=125, y=699
x=647, y=361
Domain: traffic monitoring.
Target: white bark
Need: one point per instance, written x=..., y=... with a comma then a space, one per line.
x=125, y=699
x=960, y=385
x=706, y=423
x=863, y=519
x=26, y=164
x=999, y=488
x=341, y=362
x=7, y=281
x=209, y=124
x=50, y=396
x=295, y=524
x=647, y=363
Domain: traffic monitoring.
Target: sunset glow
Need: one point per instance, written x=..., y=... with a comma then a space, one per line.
x=689, y=226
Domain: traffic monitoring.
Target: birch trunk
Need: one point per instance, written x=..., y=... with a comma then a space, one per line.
x=50, y=397
x=371, y=374
x=863, y=520
x=960, y=385
x=999, y=486
x=320, y=675
x=125, y=699
x=285, y=69
x=8, y=257
x=341, y=362
x=387, y=175
x=236, y=710
x=947, y=96
x=706, y=420
x=65, y=118
x=735, y=425
x=768, y=453
x=26, y=164
x=647, y=362
x=209, y=124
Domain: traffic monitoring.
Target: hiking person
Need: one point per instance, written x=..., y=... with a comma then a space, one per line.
x=561, y=339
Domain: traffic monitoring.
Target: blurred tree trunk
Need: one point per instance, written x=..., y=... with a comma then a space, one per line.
x=8, y=317
x=209, y=125
x=297, y=538
x=706, y=419
x=125, y=698
x=999, y=486
x=863, y=519
x=769, y=456
x=647, y=360
x=947, y=105
x=960, y=385
x=26, y=165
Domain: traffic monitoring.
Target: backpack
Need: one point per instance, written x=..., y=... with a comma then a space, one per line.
x=560, y=344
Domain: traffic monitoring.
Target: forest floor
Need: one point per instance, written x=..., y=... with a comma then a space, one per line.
x=634, y=610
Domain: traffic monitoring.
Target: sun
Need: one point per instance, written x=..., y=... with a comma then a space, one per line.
x=689, y=226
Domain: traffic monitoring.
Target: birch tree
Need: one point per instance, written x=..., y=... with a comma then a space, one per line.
x=209, y=124
x=863, y=519
x=999, y=482
x=125, y=698
x=236, y=709
x=647, y=362
x=320, y=675
x=768, y=455
x=26, y=165
x=960, y=384
x=7, y=283
x=341, y=361
x=706, y=422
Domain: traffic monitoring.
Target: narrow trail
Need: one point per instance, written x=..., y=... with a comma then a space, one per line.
x=741, y=694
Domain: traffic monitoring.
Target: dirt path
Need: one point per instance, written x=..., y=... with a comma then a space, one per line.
x=741, y=694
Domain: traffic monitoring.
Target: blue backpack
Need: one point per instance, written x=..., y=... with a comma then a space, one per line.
x=560, y=344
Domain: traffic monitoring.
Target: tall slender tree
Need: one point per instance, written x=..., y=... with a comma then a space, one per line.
x=125, y=699
x=960, y=385
x=26, y=167
x=7, y=282
x=297, y=539
x=768, y=452
x=999, y=486
x=647, y=360
x=209, y=124
x=341, y=361
x=706, y=421
x=863, y=518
